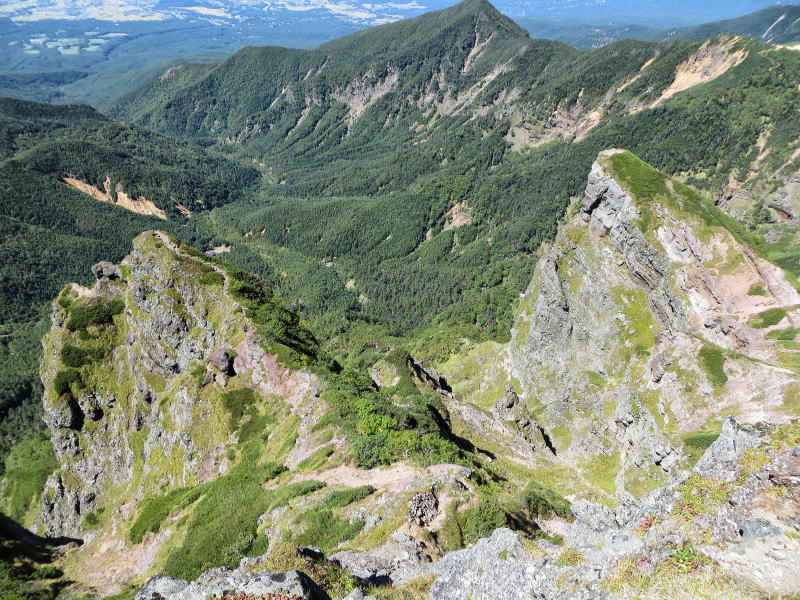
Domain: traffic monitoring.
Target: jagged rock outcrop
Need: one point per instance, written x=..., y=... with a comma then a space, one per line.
x=648, y=317
x=133, y=371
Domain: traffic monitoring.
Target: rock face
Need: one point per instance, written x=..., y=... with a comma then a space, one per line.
x=220, y=583
x=648, y=317
x=141, y=410
x=748, y=533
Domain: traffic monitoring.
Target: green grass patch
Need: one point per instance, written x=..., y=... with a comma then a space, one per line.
x=602, y=470
x=152, y=512
x=222, y=527
x=786, y=335
x=757, y=289
x=27, y=467
x=698, y=442
x=713, y=362
x=317, y=460
x=338, y=498
x=596, y=379
x=325, y=530
x=767, y=318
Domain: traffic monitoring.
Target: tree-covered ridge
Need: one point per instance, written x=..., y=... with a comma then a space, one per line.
x=79, y=143
x=776, y=24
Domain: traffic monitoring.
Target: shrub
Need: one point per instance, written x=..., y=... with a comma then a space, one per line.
x=483, y=519
x=93, y=312
x=62, y=383
x=542, y=502
x=92, y=519
x=76, y=357
x=340, y=498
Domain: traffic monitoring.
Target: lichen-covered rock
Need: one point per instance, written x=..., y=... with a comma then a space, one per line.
x=137, y=411
x=723, y=458
x=396, y=562
x=499, y=568
x=221, y=583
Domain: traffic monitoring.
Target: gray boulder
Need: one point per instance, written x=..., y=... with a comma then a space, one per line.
x=397, y=562
x=224, y=582
x=499, y=568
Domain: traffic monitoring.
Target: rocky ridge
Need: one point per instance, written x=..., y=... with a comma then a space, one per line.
x=722, y=517
x=650, y=315
x=161, y=325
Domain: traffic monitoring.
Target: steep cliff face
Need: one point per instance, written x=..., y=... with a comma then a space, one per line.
x=649, y=317
x=140, y=374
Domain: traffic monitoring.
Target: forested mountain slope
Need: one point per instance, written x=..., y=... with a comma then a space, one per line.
x=776, y=25
x=434, y=154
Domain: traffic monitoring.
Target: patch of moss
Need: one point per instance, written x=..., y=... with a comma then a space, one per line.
x=767, y=318
x=339, y=498
x=757, y=289
x=713, y=362
x=700, y=495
